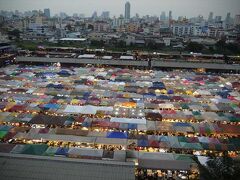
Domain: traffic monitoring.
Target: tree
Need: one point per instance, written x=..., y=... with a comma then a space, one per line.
x=194, y=47
x=69, y=27
x=221, y=45
x=14, y=33
x=97, y=43
x=219, y=168
x=121, y=44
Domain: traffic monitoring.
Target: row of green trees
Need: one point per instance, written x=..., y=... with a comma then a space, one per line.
x=219, y=168
x=221, y=47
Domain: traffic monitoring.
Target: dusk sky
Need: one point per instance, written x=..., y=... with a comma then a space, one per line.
x=187, y=8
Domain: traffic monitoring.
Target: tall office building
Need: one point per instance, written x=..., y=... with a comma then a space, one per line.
x=94, y=15
x=170, y=16
x=163, y=16
x=105, y=15
x=228, y=18
x=237, y=20
x=47, y=12
x=218, y=18
x=210, y=17
x=127, y=10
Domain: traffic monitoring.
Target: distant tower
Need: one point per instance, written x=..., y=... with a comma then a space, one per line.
x=228, y=18
x=94, y=15
x=210, y=17
x=163, y=16
x=218, y=19
x=170, y=18
x=237, y=20
x=47, y=12
x=127, y=10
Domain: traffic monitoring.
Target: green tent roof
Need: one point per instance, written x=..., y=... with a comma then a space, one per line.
x=195, y=146
x=182, y=139
x=35, y=149
x=50, y=151
x=2, y=134
x=184, y=106
x=183, y=157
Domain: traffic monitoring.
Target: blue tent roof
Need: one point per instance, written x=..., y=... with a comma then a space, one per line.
x=159, y=85
x=170, y=91
x=50, y=85
x=181, y=124
x=163, y=97
x=115, y=134
x=163, y=139
x=149, y=95
x=48, y=74
x=86, y=124
x=223, y=94
x=61, y=151
x=86, y=94
x=132, y=126
x=143, y=143
x=57, y=86
x=68, y=123
x=5, y=128
x=51, y=106
x=63, y=72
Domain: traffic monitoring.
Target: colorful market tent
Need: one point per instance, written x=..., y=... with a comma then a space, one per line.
x=35, y=149
x=61, y=151
x=115, y=134
x=50, y=151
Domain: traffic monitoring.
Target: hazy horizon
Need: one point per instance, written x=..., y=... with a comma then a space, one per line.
x=189, y=8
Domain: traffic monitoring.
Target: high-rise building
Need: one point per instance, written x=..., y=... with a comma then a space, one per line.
x=75, y=15
x=105, y=15
x=81, y=15
x=163, y=16
x=94, y=15
x=218, y=19
x=228, y=18
x=237, y=20
x=210, y=17
x=170, y=16
x=47, y=12
x=127, y=10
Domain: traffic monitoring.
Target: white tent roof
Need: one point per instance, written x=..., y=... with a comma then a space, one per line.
x=88, y=109
x=128, y=120
x=166, y=106
x=107, y=57
x=126, y=57
x=86, y=56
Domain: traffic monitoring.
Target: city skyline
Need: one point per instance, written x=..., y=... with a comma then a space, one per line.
x=142, y=7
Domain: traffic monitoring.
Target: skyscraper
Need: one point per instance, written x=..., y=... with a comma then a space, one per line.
x=163, y=16
x=218, y=19
x=210, y=17
x=94, y=15
x=170, y=16
x=127, y=10
x=47, y=12
x=228, y=18
x=105, y=15
x=237, y=19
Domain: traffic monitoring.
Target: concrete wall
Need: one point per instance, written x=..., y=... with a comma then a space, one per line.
x=154, y=63
x=27, y=167
x=83, y=61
